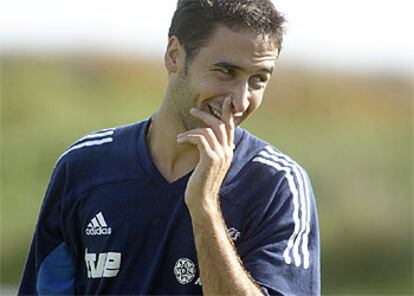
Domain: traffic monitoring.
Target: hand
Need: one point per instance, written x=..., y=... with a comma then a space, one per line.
x=215, y=144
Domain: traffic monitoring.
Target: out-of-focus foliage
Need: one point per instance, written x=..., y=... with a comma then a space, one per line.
x=353, y=134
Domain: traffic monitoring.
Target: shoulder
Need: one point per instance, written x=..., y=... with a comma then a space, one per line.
x=102, y=143
x=255, y=157
x=264, y=171
x=93, y=140
x=103, y=156
x=274, y=162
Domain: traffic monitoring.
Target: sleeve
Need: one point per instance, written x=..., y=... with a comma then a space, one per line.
x=281, y=250
x=50, y=266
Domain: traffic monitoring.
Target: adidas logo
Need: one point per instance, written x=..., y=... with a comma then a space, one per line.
x=98, y=226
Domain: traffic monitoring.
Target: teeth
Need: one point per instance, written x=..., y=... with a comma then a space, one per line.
x=216, y=113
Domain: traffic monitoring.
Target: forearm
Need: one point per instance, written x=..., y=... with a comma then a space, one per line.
x=221, y=270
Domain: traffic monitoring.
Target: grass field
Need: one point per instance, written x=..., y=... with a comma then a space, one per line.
x=352, y=132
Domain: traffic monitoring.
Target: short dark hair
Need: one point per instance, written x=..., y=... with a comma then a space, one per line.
x=195, y=21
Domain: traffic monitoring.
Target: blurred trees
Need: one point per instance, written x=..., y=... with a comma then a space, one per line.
x=352, y=132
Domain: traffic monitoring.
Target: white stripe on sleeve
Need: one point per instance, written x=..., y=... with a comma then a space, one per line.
x=302, y=196
x=87, y=144
x=291, y=182
x=97, y=135
x=298, y=241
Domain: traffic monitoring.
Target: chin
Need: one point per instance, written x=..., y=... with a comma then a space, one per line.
x=239, y=120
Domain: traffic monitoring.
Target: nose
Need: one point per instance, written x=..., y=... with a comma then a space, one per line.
x=241, y=97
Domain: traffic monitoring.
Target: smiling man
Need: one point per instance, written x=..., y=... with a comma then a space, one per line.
x=185, y=202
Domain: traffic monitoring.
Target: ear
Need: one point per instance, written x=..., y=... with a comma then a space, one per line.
x=174, y=55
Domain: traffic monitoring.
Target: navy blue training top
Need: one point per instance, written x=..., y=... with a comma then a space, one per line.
x=111, y=224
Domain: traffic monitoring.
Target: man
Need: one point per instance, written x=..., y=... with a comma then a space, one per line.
x=185, y=202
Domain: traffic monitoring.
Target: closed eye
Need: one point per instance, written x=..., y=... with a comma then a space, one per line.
x=259, y=81
x=226, y=71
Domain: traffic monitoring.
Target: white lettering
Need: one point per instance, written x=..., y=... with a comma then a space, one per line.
x=108, y=264
x=112, y=264
x=234, y=233
x=198, y=281
x=98, y=231
x=90, y=259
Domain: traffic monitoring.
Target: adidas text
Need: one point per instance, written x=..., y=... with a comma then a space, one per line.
x=98, y=231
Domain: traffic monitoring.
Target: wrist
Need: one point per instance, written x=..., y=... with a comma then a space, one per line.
x=208, y=223
x=204, y=210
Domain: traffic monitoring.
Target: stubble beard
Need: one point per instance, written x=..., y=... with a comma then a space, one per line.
x=184, y=99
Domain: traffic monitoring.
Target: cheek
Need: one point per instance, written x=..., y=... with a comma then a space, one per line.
x=208, y=90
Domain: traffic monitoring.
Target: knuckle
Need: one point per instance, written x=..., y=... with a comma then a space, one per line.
x=209, y=131
x=211, y=157
x=215, y=158
x=229, y=154
x=203, y=140
x=221, y=155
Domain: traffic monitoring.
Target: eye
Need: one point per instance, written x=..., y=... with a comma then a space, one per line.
x=226, y=71
x=259, y=81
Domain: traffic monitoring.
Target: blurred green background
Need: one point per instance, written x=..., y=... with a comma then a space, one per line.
x=353, y=132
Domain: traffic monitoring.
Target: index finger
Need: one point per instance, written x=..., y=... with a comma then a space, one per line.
x=227, y=117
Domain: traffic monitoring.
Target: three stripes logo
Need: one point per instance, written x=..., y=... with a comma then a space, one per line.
x=297, y=249
x=98, y=226
x=93, y=139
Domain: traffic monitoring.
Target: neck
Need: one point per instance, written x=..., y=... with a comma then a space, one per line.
x=172, y=160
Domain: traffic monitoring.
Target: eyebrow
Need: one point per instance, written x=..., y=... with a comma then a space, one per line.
x=236, y=67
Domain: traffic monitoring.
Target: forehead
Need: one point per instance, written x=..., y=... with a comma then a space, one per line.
x=246, y=49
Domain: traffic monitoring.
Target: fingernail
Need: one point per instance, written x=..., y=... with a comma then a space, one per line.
x=179, y=135
x=192, y=110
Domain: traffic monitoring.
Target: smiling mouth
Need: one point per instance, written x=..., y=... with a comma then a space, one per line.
x=214, y=112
